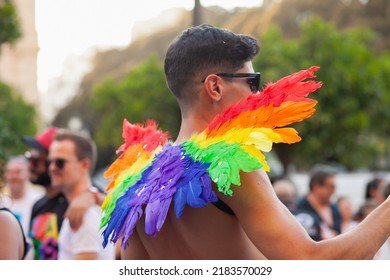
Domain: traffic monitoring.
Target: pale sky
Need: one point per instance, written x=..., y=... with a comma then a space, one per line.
x=76, y=28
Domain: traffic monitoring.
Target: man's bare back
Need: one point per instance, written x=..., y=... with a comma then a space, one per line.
x=201, y=233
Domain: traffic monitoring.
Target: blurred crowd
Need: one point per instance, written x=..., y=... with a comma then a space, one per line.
x=324, y=214
x=50, y=208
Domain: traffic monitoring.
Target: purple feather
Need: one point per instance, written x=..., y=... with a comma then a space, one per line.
x=152, y=211
x=164, y=211
x=156, y=213
x=130, y=222
x=162, y=180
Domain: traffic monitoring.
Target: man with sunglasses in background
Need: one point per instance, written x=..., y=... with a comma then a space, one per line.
x=48, y=212
x=316, y=211
x=209, y=69
x=71, y=161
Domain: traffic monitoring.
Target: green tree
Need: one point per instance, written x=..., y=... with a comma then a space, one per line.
x=16, y=116
x=350, y=125
x=16, y=119
x=142, y=94
x=9, y=23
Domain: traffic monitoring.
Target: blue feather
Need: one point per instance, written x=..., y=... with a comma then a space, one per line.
x=193, y=194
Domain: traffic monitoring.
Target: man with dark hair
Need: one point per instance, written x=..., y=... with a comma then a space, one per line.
x=316, y=212
x=209, y=69
x=71, y=160
x=48, y=212
x=37, y=155
x=202, y=51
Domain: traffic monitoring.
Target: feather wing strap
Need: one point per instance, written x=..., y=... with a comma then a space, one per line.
x=150, y=174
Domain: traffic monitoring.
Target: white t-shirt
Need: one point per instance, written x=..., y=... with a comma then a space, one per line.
x=87, y=239
x=22, y=207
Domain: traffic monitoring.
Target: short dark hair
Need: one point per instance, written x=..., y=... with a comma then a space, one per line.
x=202, y=50
x=85, y=147
x=319, y=177
x=371, y=185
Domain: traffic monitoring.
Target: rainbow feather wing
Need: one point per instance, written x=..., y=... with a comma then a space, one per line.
x=127, y=173
x=149, y=174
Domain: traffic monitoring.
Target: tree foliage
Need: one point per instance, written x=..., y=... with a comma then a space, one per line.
x=17, y=118
x=350, y=125
x=9, y=23
x=142, y=94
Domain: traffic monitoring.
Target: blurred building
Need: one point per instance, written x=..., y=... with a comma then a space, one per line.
x=18, y=62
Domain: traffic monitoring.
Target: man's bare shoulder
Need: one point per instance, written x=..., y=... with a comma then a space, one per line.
x=255, y=187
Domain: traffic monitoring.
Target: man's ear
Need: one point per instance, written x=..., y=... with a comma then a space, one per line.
x=213, y=86
x=86, y=164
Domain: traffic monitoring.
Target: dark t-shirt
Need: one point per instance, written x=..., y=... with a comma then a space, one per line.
x=46, y=220
x=312, y=221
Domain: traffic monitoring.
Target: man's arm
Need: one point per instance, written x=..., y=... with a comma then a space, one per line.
x=278, y=235
x=80, y=204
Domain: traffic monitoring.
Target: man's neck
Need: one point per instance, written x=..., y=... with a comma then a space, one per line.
x=18, y=194
x=78, y=189
x=316, y=202
x=190, y=125
x=52, y=191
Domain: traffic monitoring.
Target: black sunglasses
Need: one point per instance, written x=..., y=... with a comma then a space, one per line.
x=253, y=79
x=58, y=162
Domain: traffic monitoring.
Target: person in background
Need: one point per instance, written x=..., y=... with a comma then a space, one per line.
x=374, y=189
x=287, y=192
x=71, y=161
x=316, y=212
x=32, y=188
x=347, y=217
x=49, y=211
x=22, y=195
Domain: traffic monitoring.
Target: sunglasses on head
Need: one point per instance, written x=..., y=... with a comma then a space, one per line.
x=58, y=162
x=253, y=79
